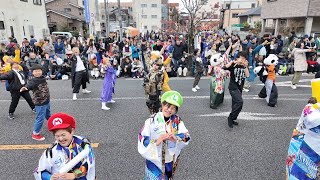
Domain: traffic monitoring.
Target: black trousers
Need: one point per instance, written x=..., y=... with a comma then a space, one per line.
x=15, y=96
x=237, y=103
x=197, y=78
x=80, y=78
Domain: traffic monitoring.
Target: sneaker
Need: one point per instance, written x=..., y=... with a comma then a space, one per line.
x=34, y=111
x=197, y=87
x=245, y=90
x=105, y=108
x=235, y=123
x=11, y=116
x=38, y=137
x=194, y=89
x=74, y=96
x=85, y=91
x=293, y=86
x=112, y=101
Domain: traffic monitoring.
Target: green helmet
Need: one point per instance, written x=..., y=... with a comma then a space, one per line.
x=172, y=97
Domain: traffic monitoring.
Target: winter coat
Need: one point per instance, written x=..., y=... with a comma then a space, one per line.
x=300, y=59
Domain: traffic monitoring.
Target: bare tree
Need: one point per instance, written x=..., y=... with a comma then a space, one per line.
x=194, y=8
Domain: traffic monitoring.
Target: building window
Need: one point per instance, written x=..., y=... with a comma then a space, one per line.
x=227, y=6
x=253, y=5
x=143, y=5
x=74, y=28
x=145, y=27
x=67, y=9
x=283, y=22
x=1, y=25
x=144, y=16
x=24, y=0
x=154, y=5
x=37, y=2
x=154, y=16
x=234, y=15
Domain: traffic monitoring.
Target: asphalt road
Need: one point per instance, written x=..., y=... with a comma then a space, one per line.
x=256, y=149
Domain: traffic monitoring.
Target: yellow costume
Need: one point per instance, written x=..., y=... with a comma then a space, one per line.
x=155, y=55
x=315, y=85
x=7, y=66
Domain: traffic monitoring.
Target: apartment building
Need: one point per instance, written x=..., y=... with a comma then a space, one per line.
x=232, y=8
x=147, y=15
x=23, y=18
x=65, y=14
x=302, y=15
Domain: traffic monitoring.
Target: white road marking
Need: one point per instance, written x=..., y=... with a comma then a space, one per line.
x=253, y=97
x=251, y=116
x=288, y=83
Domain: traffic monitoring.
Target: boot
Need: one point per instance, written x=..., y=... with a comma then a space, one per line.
x=74, y=96
x=104, y=107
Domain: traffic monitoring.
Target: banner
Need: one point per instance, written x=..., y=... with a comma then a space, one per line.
x=86, y=11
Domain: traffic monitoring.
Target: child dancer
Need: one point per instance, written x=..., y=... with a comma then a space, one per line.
x=41, y=99
x=70, y=156
x=108, y=85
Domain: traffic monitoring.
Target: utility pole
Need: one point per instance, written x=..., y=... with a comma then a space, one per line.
x=106, y=7
x=120, y=20
x=97, y=19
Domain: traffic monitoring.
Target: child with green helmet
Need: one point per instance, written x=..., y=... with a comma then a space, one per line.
x=163, y=137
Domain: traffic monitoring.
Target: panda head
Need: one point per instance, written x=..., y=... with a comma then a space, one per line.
x=271, y=59
x=216, y=59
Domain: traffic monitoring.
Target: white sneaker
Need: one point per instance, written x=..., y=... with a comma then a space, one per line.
x=194, y=89
x=104, y=107
x=197, y=87
x=112, y=101
x=74, y=96
x=85, y=91
x=245, y=90
x=293, y=86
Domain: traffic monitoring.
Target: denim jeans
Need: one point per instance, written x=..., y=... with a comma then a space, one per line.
x=42, y=112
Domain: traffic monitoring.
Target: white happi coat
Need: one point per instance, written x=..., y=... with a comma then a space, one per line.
x=152, y=129
x=60, y=159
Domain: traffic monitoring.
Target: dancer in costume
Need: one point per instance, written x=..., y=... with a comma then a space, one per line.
x=198, y=71
x=108, y=84
x=70, y=156
x=153, y=83
x=162, y=138
x=219, y=75
x=155, y=55
x=304, y=154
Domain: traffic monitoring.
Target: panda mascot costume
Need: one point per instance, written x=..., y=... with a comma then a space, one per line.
x=218, y=77
x=267, y=75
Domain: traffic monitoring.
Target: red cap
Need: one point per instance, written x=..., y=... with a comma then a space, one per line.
x=61, y=121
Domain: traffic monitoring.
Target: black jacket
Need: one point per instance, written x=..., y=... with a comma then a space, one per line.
x=14, y=82
x=177, y=51
x=74, y=65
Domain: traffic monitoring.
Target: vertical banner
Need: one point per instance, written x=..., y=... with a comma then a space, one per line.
x=86, y=11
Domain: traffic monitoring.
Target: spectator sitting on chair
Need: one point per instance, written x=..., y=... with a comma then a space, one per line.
x=182, y=70
x=32, y=60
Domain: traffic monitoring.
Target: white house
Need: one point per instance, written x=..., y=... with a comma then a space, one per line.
x=147, y=14
x=23, y=18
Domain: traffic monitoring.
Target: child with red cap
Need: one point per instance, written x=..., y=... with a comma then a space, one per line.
x=61, y=160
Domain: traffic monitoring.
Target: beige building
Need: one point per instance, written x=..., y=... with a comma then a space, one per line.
x=147, y=15
x=232, y=8
x=303, y=16
x=65, y=14
x=22, y=19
